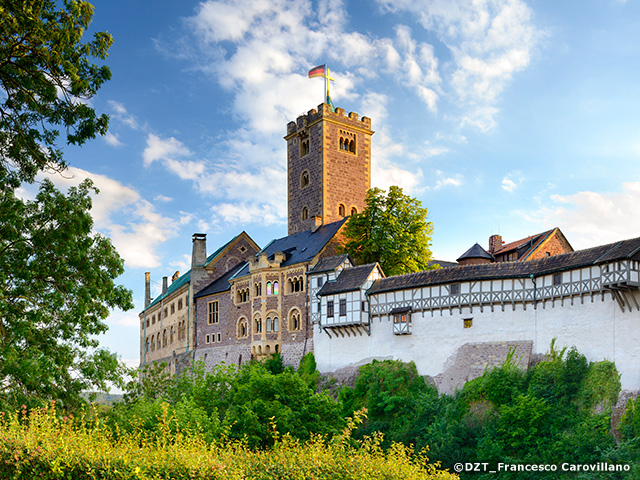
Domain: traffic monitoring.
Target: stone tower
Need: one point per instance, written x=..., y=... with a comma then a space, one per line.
x=328, y=167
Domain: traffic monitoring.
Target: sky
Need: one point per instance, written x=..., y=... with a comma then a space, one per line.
x=502, y=117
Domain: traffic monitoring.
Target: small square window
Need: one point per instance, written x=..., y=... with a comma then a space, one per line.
x=467, y=322
x=455, y=289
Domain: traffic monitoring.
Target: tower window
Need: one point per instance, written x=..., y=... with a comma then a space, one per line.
x=304, y=179
x=305, y=213
x=304, y=147
x=354, y=211
x=341, y=210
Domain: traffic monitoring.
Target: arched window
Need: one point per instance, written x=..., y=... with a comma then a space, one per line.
x=147, y=345
x=294, y=321
x=305, y=213
x=153, y=343
x=276, y=288
x=269, y=289
x=171, y=335
x=269, y=324
x=164, y=338
x=257, y=323
x=354, y=211
x=352, y=146
x=341, y=210
x=341, y=143
x=258, y=289
x=304, y=179
x=276, y=324
x=242, y=328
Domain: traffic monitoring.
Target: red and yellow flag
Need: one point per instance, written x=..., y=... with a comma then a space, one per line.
x=318, y=71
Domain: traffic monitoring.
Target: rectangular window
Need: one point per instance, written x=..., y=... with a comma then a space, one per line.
x=467, y=322
x=208, y=338
x=402, y=323
x=455, y=289
x=330, y=309
x=364, y=306
x=318, y=307
x=343, y=307
x=557, y=279
x=219, y=337
x=213, y=312
x=320, y=280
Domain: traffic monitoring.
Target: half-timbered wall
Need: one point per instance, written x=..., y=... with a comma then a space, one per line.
x=595, y=309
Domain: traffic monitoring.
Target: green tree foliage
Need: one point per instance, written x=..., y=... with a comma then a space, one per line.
x=56, y=289
x=392, y=230
x=46, y=76
x=257, y=402
x=548, y=415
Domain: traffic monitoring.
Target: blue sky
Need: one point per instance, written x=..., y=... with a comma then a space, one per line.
x=501, y=116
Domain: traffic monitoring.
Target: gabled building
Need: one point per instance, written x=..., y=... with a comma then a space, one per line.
x=167, y=324
x=454, y=322
x=261, y=307
x=545, y=244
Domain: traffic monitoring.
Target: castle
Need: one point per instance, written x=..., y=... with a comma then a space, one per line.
x=299, y=295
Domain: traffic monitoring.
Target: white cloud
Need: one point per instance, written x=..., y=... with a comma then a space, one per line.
x=163, y=149
x=112, y=139
x=508, y=184
x=121, y=115
x=594, y=218
x=132, y=223
x=455, y=181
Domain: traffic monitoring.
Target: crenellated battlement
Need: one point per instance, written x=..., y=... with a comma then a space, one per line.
x=324, y=111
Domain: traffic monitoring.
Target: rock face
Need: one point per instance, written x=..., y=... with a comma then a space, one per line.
x=472, y=359
x=619, y=409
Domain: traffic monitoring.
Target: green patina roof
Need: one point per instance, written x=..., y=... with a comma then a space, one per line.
x=186, y=277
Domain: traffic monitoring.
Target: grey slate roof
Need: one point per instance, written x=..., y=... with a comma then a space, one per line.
x=300, y=247
x=350, y=279
x=582, y=258
x=221, y=284
x=442, y=263
x=330, y=263
x=475, y=252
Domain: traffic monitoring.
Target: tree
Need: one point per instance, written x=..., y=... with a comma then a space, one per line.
x=45, y=79
x=392, y=230
x=56, y=289
x=56, y=276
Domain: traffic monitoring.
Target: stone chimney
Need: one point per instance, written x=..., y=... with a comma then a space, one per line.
x=147, y=289
x=165, y=286
x=198, y=259
x=495, y=243
x=317, y=223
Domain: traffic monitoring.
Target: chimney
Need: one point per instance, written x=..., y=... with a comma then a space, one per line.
x=165, y=280
x=495, y=243
x=198, y=259
x=147, y=289
x=317, y=223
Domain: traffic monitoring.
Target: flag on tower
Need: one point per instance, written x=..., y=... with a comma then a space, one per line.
x=317, y=71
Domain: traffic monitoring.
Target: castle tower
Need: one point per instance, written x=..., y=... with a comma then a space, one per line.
x=328, y=167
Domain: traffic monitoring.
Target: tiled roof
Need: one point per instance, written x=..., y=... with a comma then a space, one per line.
x=350, y=279
x=300, y=247
x=581, y=258
x=175, y=285
x=475, y=252
x=186, y=277
x=441, y=263
x=330, y=263
x=526, y=245
x=221, y=284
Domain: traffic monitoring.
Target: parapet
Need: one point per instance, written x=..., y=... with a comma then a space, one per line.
x=324, y=110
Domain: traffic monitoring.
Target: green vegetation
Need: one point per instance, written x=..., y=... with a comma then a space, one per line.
x=264, y=420
x=392, y=230
x=56, y=275
x=557, y=412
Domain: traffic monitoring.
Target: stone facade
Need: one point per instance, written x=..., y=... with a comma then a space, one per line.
x=328, y=165
x=168, y=324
